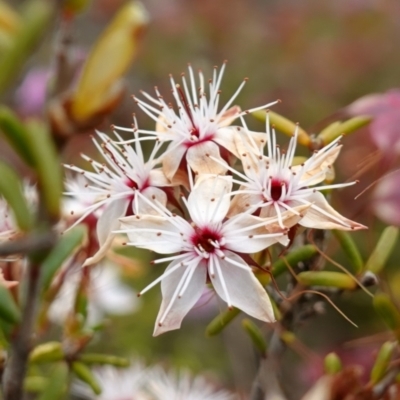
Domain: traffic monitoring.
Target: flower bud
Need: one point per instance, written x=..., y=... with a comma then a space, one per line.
x=46, y=352
x=338, y=280
x=382, y=362
x=332, y=364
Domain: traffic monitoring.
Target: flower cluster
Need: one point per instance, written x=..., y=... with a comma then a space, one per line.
x=139, y=382
x=209, y=201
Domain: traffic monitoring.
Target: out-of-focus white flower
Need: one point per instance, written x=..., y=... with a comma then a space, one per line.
x=209, y=248
x=7, y=224
x=197, y=129
x=117, y=383
x=182, y=386
x=272, y=185
x=149, y=383
x=113, y=187
x=107, y=295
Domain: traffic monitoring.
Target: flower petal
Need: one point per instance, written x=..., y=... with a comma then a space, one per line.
x=208, y=201
x=155, y=233
x=172, y=159
x=153, y=194
x=244, y=290
x=322, y=216
x=243, y=201
x=109, y=219
x=229, y=116
x=158, y=178
x=199, y=158
x=174, y=307
x=246, y=234
x=316, y=164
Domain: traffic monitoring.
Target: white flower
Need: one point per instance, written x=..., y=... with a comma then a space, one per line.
x=272, y=185
x=7, y=224
x=112, y=186
x=116, y=383
x=197, y=129
x=106, y=295
x=208, y=247
x=181, y=386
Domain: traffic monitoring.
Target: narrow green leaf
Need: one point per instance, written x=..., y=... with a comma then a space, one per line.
x=388, y=311
x=11, y=190
x=332, y=364
x=382, y=362
x=303, y=253
x=256, y=336
x=284, y=125
x=47, y=167
x=16, y=134
x=86, y=375
x=221, y=321
x=65, y=248
x=382, y=250
x=9, y=311
x=57, y=383
x=338, y=280
x=350, y=248
x=106, y=359
x=329, y=135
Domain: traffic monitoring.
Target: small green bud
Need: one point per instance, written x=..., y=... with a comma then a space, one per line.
x=86, y=375
x=221, y=321
x=382, y=362
x=339, y=280
x=256, y=336
x=47, y=352
x=332, y=364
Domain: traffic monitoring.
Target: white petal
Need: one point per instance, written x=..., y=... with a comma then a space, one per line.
x=225, y=137
x=242, y=237
x=109, y=219
x=172, y=159
x=173, y=309
x=155, y=233
x=242, y=201
x=158, y=178
x=199, y=159
x=153, y=194
x=322, y=216
x=229, y=116
x=208, y=201
x=245, y=291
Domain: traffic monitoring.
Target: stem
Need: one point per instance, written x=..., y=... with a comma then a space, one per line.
x=22, y=344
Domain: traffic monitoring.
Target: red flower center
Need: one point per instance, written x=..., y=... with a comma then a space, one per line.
x=276, y=189
x=203, y=239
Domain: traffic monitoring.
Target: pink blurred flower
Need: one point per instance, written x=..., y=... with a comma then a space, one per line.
x=30, y=97
x=386, y=199
x=385, y=110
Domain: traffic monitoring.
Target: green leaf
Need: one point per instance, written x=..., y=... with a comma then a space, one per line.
x=382, y=250
x=57, y=383
x=332, y=364
x=11, y=189
x=284, y=125
x=382, y=362
x=35, y=384
x=36, y=17
x=221, y=321
x=16, y=134
x=65, y=248
x=338, y=280
x=9, y=311
x=388, y=311
x=350, y=248
x=331, y=133
x=47, y=167
x=86, y=375
x=256, y=336
x=103, y=359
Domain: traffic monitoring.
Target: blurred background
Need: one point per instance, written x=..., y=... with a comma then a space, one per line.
x=317, y=57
